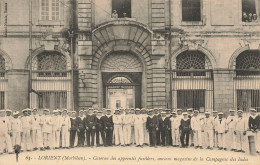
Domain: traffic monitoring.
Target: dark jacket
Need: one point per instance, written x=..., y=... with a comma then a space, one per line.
x=100, y=123
x=90, y=121
x=108, y=122
x=81, y=124
x=254, y=123
x=152, y=123
x=74, y=124
x=164, y=124
x=185, y=124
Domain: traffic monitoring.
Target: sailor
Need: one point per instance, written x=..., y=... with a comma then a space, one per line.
x=215, y=136
x=240, y=131
x=109, y=127
x=196, y=124
x=127, y=121
x=185, y=129
x=56, y=129
x=221, y=130
x=47, y=129
x=169, y=115
x=118, y=128
x=37, y=140
x=146, y=133
x=152, y=125
x=60, y=118
x=230, y=137
x=5, y=126
x=139, y=130
x=190, y=114
x=73, y=128
x=132, y=114
x=90, y=123
x=16, y=129
x=65, y=129
x=175, y=124
x=179, y=117
x=164, y=127
x=208, y=125
x=81, y=128
x=100, y=129
x=254, y=126
x=157, y=112
x=26, y=136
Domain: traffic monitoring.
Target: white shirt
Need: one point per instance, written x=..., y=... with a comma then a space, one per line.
x=26, y=122
x=47, y=124
x=127, y=119
x=221, y=127
x=138, y=120
x=117, y=119
x=208, y=123
x=16, y=125
x=241, y=124
x=4, y=124
x=175, y=123
x=36, y=122
x=196, y=123
x=231, y=122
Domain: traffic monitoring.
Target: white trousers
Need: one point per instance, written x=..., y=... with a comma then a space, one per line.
x=257, y=141
x=175, y=137
x=197, y=138
x=47, y=139
x=56, y=139
x=16, y=138
x=26, y=140
x=209, y=138
x=139, y=134
x=240, y=140
x=146, y=134
x=132, y=134
x=127, y=133
x=221, y=140
x=37, y=141
x=215, y=138
x=119, y=136
x=231, y=139
x=5, y=138
x=65, y=137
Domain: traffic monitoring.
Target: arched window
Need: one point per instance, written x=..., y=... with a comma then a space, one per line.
x=50, y=64
x=247, y=80
x=120, y=80
x=3, y=83
x=51, y=81
x=247, y=62
x=193, y=81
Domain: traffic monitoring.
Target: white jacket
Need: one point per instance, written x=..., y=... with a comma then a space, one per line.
x=128, y=119
x=241, y=124
x=117, y=119
x=36, y=122
x=66, y=122
x=196, y=123
x=231, y=122
x=26, y=122
x=208, y=123
x=175, y=123
x=57, y=123
x=221, y=127
x=16, y=125
x=47, y=124
x=4, y=124
x=138, y=120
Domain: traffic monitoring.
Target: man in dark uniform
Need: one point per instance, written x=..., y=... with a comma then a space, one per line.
x=152, y=125
x=73, y=128
x=158, y=137
x=100, y=129
x=90, y=123
x=81, y=128
x=169, y=115
x=164, y=126
x=109, y=126
x=190, y=114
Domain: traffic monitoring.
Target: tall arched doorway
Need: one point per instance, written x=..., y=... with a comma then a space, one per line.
x=122, y=80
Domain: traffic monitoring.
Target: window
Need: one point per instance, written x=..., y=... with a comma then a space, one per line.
x=122, y=8
x=2, y=100
x=50, y=10
x=190, y=60
x=52, y=100
x=191, y=10
x=50, y=64
x=2, y=67
x=248, y=99
x=191, y=99
x=249, y=13
x=247, y=61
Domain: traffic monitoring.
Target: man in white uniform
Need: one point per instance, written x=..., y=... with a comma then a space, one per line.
x=16, y=129
x=65, y=129
x=139, y=128
x=196, y=124
x=118, y=128
x=221, y=130
x=208, y=125
x=37, y=123
x=26, y=133
x=5, y=126
x=175, y=125
x=127, y=121
x=47, y=129
x=56, y=128
x=240, y=131
x=231, y=138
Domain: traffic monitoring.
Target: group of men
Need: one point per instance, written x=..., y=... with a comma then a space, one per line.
x=39, y=129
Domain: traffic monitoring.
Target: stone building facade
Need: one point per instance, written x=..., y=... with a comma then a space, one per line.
x=200, y=54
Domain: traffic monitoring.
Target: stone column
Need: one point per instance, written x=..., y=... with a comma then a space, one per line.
x=223, y=90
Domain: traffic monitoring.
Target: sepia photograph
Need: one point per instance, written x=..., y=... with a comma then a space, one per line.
x=125, y=82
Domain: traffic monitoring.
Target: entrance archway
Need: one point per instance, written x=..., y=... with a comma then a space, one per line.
x=122, y=80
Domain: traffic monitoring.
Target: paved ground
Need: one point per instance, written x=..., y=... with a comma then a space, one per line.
x=130, y=155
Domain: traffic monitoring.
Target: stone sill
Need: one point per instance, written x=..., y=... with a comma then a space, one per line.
x=50, y=23
x=257, y=23
x=192, y=23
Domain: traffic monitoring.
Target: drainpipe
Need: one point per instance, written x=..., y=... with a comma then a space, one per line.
x=170, y=51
